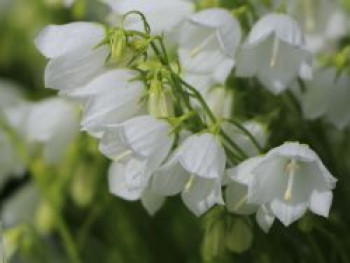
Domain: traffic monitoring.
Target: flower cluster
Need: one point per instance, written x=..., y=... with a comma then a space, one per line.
x=153, y=87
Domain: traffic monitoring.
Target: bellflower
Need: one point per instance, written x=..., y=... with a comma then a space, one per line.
x=275, y=52
x=322, y=21
x=144, y=140
x=111, y=98
x=290, y=179
x=195, y=169
x=327, y=95
x=73, y=53
x=208, y=42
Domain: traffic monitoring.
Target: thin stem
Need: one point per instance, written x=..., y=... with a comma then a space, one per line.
x=247, y=132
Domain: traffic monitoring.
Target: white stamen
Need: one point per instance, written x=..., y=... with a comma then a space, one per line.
x=194, y=52
x=241, y=202
x=189, y=183
x=122, y=156
x=275, y=49
x=290, y=168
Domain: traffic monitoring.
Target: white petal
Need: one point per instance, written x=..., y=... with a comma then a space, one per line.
x=320, y=202
x=283, y=26
x=269, y=181
x=146, y=134
x=236, y=196
x=112, y=142
x=169, y=179
x=112, y=108
x=264, y=219
x=106, y=82
x=203, y=156
x=124, y=179
x=243, y=172
x=288, y=212
x=57, y=40
x=202, y=195
x=229, y=31
x=152, y=202
x=75, y=69
x=294, y=150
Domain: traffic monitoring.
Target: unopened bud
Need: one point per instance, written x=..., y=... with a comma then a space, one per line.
x=118, y=44
x=160, y=102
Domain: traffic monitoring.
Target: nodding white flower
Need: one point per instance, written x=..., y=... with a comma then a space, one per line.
x=73, y=53
x=256, y=129
x=162, y=16
x=322, y=21
x=111, y=98
x=144, y=140
x=208, y=42
x=195, y=169
x=142, y=137
x=275, y=52
x=125, y=181
x=290, y=179
x=236, y=193
x=327, y=95
x=54, y=124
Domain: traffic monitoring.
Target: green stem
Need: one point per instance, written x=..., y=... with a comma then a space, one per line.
x=249, y=135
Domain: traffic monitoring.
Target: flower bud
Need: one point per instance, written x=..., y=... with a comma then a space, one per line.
x=160, y=103
x=82, y=188
x=118, y=44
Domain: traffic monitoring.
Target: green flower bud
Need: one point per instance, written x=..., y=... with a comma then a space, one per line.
x=118, y=44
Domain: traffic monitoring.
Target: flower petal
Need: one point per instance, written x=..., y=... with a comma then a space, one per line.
x=152, y=202
x=57, y=40
x=320, y=202
x=202, y=195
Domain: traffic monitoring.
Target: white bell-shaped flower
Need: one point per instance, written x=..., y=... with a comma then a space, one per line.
x=111, y=98
x=73, y=53
x=275, y=52
x=141, y=137
x=236, y=193
x=290, y=179
x=195, y=169
x=52, y=123
x=327, y=95
x=323, y=21
x=208, y=42
x=162, y=16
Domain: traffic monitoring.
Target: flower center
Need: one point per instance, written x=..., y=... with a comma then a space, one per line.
x=275, y=50
x=291, y=168
x=194, y=52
